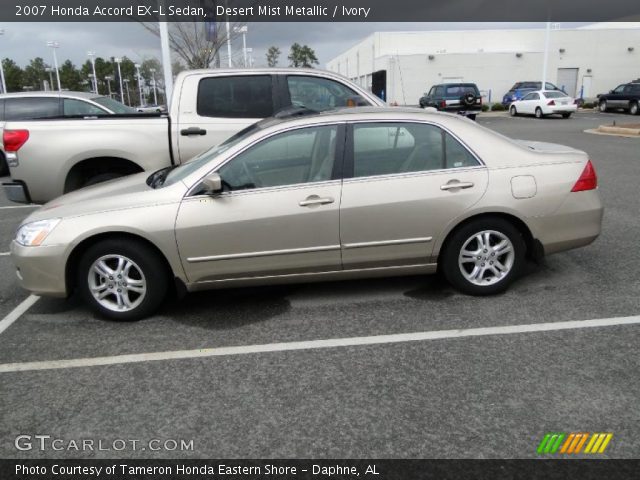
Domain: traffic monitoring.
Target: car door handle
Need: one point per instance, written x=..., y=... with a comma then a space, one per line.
x=455, y=184
x=315, y=200
x=192, y=131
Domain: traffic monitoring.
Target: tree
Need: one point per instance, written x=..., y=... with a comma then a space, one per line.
x=198, y=43
x=272, y=56
x=302, y=56
x=35, y=74
x=71, y=78
x=12, y=75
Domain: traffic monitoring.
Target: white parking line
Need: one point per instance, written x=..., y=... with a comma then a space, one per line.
x=316, y=344
x=17, y=312
x=4, y=254
x=19, y=206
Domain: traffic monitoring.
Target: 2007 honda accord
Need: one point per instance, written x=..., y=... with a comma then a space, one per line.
x=360, y=192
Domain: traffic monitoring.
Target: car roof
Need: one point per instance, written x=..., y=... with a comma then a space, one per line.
x=51, y=93
x=466, y=84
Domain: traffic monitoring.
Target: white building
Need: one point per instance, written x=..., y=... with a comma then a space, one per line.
x=592, y=59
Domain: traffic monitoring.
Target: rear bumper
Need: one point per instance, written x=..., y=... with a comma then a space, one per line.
x=16, y=191
x=40, y=270
x=561, y=109
x=578, y=222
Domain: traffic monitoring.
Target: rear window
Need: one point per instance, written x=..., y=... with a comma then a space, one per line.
x=31, y=107
x=248, y=96
x=462, y=89
x=555, y=94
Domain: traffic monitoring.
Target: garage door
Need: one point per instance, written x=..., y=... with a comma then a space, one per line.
x=567, y=80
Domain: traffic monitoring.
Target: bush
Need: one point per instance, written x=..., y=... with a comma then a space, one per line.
x=588, y=105
x=498, y=107
x=485, y=107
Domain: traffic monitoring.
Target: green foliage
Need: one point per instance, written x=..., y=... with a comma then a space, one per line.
x=498, y=107
x=35, y=74
x=12, y=75
x=71, y=79
x=485, y=107
x=272, y=56
x=588, y=105
x=302, y=56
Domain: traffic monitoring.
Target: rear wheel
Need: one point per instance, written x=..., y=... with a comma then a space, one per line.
x=538, y=112
x=566, y=115
x=633, y=108
x=512, y=111
x=602, y=105
x=484, y=256
x=122, y=279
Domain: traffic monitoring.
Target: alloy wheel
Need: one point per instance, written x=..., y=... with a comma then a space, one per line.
x=486, y=257
x=117, y=283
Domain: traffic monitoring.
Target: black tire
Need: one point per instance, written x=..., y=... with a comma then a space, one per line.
x=468, y=99
x=539, y=112
x=465, y=233
x=147, y=260
x=4, y=168
x=566, y=115
x=633, y=108
x=102, y=177
x=602, y=106
x=512, y=111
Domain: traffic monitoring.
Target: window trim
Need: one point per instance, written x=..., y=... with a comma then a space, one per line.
x=350, y=147
x=336, y=173
x=274, y=93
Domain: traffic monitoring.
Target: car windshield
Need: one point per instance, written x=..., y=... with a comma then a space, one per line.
x=113, y=105
x=171, y=175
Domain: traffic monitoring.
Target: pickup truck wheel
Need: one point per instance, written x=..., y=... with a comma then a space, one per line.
x=121, y=279
x=103, y=177
x=602, y=106
x=633, y=108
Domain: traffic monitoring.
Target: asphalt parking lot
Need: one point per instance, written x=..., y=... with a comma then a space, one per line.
x=490, y=395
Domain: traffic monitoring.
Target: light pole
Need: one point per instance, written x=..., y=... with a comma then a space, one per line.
x=118, y=60
x=108, y=79
x=142, y=102
x=92, y=56
x=153, y=82
x=50, y=70
x=249, y=53
x=243, y=31
x=4, y=84
x=126, y=82
x=54, y=46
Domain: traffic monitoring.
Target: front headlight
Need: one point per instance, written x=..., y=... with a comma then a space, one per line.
x=33, y=234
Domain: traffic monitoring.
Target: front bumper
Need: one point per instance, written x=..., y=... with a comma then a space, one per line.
x=40, y=270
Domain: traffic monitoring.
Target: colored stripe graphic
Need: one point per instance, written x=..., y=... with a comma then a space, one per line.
x=573, y=443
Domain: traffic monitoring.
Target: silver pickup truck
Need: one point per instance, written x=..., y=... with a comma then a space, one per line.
x=52, y=156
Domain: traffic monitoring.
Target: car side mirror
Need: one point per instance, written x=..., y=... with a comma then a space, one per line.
x=213, y=183
x=610, y=91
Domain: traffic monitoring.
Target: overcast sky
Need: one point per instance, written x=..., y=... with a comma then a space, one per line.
x=24, y=41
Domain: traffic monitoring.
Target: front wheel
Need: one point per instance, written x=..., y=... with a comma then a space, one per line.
x=122, y=279
x=484, y=256
x=633, y=108
x=602, y=106
x=512, y=111
x=538, y=112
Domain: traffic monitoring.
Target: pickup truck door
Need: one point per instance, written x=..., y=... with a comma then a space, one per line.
x=213, y=108
x=278, y=215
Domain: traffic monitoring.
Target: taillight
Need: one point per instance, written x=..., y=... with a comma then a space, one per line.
x=14, y=139
x=443, y=103
x=588, y=179
x=551, y=103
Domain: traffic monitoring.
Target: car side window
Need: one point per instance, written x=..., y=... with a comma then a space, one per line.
x=249, y=96
x=301, y=156
x=31, y=107
x=72, y=106
x=439, y=92
x=319, y=93
x=432, y=92
x=619, y=89
x=456, y=154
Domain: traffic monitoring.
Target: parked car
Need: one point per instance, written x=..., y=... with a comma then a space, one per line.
x=623, y=97
x=207, y=106
x=151, y=109
x=543, y=102
x=520, y=89
x=453, y=97
x=27, y=105
x=352, y=193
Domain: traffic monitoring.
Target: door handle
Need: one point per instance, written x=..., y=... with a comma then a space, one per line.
x=455, y=184
x=315, y=200
x=192, y=131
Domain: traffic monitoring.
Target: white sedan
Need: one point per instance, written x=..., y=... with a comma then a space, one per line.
x=544, y=102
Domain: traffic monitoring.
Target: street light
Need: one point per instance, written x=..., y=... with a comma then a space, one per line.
x=92, y=56
x=153, y=82
x=118, y=60
x=54, y=46
x=108, y=79
x=126, y=82
x=142, y=102
x=4, y=84
x=249, y=52
x=243, y=31
x=50, y=71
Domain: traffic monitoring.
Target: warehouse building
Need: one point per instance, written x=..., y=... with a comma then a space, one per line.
x=401, y=66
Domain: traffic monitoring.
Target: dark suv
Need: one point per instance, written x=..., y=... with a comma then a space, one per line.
x=454, y=97
x=625, y=96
